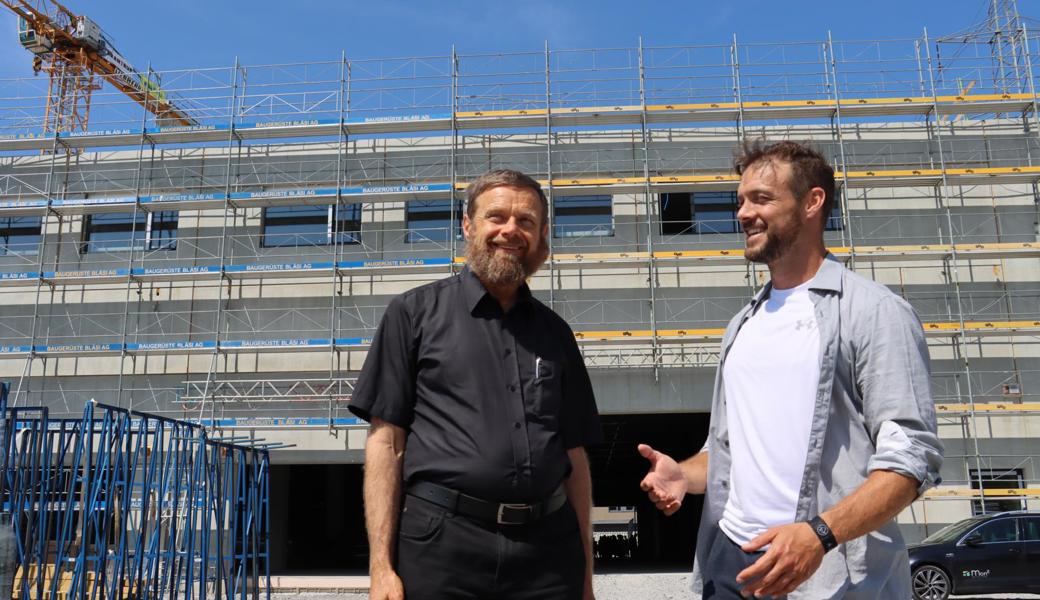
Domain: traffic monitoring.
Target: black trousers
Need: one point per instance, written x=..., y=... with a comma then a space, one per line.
x=446, y=556
x=725, y=561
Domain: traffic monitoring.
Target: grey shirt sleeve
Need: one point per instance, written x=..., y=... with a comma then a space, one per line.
x=892, y=376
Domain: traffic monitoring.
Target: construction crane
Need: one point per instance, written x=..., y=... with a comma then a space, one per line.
x=76, y=55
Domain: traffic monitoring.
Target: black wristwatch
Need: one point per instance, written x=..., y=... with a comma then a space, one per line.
x=823, y=531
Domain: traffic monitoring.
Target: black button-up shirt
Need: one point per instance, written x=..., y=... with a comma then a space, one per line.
x=491, y=400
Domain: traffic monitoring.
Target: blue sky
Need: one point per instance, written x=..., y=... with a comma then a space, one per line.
x=193, y=33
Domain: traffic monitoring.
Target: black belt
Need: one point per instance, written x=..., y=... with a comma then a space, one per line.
x=494, y=512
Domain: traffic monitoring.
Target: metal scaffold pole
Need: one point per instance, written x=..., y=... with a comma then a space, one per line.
x=224, y=279
x=48, y=192
x=453, y=203
x=843, y=193
x=953, y=269
x=1035, y=109
x=130, y=280
x=337, y=276
x=550, y=217
x=751, y=270
x=648, y=206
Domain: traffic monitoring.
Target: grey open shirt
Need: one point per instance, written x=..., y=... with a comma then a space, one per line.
x=874, y=410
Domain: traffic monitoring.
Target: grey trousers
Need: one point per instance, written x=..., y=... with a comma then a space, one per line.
x=725, y=561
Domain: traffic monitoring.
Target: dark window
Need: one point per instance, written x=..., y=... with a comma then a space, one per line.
x=310, y=225
x=1030, y=529
x=428, y=220
x=348, y=223
x=117, y=232
x=295, y=226
x=20, y=235
x=699, y=212
x=676, y=214
x=710, y=212
x=580, y=216
x=715, y=212
x=997, y=531
x=1002, y=479
x=162, y=231
x=834, y=221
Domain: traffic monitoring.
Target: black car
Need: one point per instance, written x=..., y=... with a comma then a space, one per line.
x=987, y=554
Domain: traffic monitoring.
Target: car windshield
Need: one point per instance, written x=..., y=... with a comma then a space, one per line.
x=954, y=531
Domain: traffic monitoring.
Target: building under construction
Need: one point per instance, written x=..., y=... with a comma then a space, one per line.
x=220, y=247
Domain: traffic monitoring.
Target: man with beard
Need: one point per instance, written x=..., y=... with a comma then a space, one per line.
x=477, y=484
x=822, y=424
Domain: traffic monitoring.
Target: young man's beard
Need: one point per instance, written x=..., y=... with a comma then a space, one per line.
x=498, y=269
x=774, y=247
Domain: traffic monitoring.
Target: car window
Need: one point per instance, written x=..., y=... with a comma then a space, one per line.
x=1030, y=529
x=996, y=531
x=953, y=531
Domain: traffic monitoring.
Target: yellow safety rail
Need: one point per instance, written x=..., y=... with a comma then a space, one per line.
x=923, y=101
x=951, y=492
x=989, y=407
x=716, y=333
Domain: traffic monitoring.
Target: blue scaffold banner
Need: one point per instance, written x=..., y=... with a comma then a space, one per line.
x=235, y=196
x=393, y=262
x=397, y=189
x=277, y=194
x=32, y=135
x=359, y=341
x=169, y=346
x=279, y=422
x=160, y=198
x=167, y=271
x=23, y=204
x=287, y=343
x=86, y=274
x=308, y=266
x=9, y=349
x=187, y=128
x=399, y=118
x=93, y=201
x=19, y=276
x=287, y=123
x=78, y=348
x=99, y=133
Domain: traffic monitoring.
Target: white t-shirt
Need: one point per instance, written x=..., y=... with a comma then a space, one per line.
x=770, y=376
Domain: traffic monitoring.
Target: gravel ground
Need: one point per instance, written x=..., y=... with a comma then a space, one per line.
x=626, y=586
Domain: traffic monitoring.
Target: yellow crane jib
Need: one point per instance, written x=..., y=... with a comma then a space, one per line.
x=72, y=49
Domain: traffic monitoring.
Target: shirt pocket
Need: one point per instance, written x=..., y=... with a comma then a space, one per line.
x=548, y=386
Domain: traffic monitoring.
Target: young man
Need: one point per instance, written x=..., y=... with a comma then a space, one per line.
x=480, y=408
x=822, y=424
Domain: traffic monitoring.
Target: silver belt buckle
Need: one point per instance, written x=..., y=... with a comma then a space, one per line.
x=502, y=508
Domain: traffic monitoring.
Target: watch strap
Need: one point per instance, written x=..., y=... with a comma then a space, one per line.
x=824, y=533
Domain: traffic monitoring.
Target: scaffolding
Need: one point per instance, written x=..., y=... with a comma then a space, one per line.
x=934, y=143
x=121, y=504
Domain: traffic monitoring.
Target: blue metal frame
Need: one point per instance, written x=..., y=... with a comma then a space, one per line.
x=122, y=504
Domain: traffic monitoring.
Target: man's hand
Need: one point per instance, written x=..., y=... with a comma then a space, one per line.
x=385, y=585
x=794, y=555
x=665, y=483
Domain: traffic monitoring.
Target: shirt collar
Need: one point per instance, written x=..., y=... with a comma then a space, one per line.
x=474, y=292
x=827, y=279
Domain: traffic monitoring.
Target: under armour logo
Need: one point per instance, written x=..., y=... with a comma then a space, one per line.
x=806, y=324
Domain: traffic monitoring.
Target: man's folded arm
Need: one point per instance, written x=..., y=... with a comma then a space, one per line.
x=892, y=368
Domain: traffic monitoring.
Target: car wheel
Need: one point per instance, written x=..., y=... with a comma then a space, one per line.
x=931, y=583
